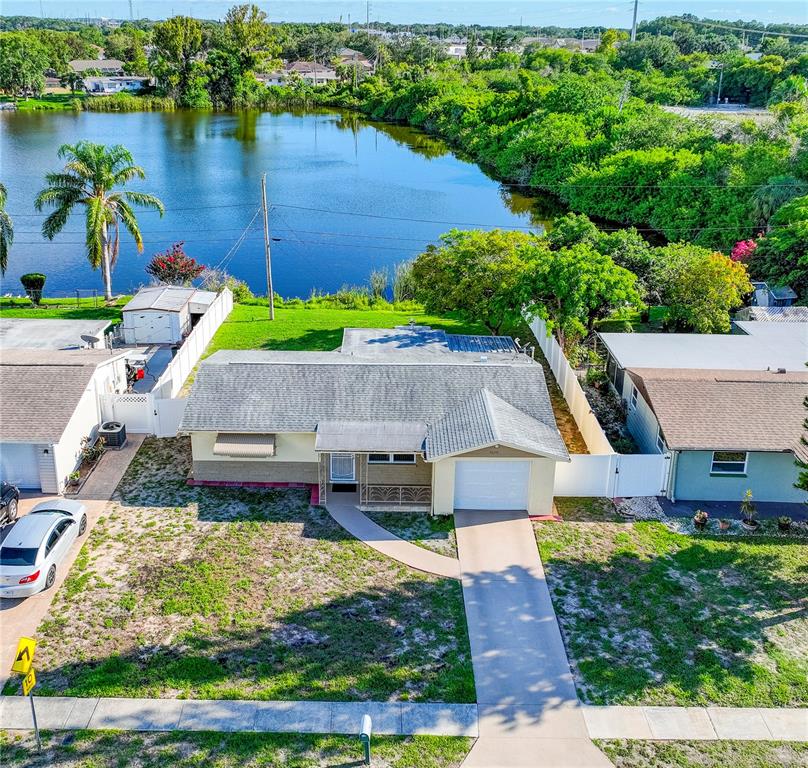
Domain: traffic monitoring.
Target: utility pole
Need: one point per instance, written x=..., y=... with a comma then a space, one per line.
x=634, y=23
x=624, y=95
x=314, y=61
x=720, y=84
x=367, y=17
x=131, y=11
x=267, y=255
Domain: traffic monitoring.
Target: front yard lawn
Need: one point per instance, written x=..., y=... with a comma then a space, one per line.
x=108, y=749
x=650, y=616
x=433, y=532
x=706, y=754
x=244, y=594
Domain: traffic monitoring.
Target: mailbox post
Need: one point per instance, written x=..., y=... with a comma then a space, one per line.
x=364, y=736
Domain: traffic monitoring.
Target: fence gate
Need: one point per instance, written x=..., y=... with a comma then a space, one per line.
x=169, y=414
x=135, y=410
x=639, y=474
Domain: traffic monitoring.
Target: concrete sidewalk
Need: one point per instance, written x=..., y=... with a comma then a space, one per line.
x=20, y=618
x=342, y=507
x=529, y=713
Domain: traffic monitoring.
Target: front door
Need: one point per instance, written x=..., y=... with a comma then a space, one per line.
x=343, y=468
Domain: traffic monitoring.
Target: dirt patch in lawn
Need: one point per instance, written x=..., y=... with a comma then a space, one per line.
x=433, y=532
x=105, y=749
x=705, y=754
x=234, y=593
x=654, y=616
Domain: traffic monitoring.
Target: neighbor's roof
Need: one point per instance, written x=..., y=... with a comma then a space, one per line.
x=422, y=338
x=371, y=436
x=758, y=347
x=298, y=391
x=485, y=419
x=82, y=65
x=167, y=298
x=48, y=334
x=727, y=410
x=778, y=314
x=40, y=389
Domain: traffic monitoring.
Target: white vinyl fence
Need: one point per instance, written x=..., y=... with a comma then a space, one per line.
x=175, y=376
x=601, y=472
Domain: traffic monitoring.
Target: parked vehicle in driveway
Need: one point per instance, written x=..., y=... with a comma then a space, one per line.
x=37, y=544
x=9, y=500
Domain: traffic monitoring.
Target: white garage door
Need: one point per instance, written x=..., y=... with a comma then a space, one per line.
x=19, y=465
x=491, y=484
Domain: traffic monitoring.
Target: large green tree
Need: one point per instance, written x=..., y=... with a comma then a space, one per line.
x=6, y=231
x=174, y=60
x=23, y=60
x=769, y=197
x=474, y=273
x=92, y=178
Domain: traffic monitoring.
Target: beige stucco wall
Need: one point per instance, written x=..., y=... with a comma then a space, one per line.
x=289, y=447
x=540, y=490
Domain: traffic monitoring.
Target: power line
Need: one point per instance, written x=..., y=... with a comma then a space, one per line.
x=741, y=29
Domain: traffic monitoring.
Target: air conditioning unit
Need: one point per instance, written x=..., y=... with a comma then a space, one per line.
x=114, y=434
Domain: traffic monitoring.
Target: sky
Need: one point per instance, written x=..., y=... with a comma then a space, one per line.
x=492, y=12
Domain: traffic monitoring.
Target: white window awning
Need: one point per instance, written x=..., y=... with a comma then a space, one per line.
x=244, y=445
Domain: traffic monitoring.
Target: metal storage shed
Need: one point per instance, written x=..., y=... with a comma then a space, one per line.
x=163, y=314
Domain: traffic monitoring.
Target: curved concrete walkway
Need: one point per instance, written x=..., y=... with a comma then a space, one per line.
x=342, y=507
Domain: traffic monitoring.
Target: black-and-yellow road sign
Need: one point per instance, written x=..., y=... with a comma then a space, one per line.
x=28, y=682
x=24, y=657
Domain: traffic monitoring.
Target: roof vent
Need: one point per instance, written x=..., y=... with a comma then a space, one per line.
x=483, y=358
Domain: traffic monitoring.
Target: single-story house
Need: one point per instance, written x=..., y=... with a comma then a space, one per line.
x=405, y=429
x=42, y=333
x=726, y=430
x=765, y=295
x=51, y=399
x=164, y=314
x=100, y=86
x=104, y=66
x=354, y=58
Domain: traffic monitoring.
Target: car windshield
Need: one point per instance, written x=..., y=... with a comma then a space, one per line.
x=17, y=555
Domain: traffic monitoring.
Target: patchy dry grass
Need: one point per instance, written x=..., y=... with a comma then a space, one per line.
x=233, y=593
x=433, y=532
x=706, y=754
x=657, y=617
x=108, y=749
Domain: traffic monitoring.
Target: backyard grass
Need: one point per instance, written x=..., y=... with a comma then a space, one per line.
x=244, y=594
x=433, y=532
x=706, y=754
x=650, y=616
x=110, y=749
x=48, y=102
x=65, y=308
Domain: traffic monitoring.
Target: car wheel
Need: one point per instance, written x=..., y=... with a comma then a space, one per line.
x=11, y=511
x=82, y=525
x=51, y=577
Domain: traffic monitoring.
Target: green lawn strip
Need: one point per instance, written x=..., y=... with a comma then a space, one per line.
x=49, y=102
x=706, y=754
x=244, y=594
x=314, y=328
x=63, y=309
x=115, y=749
x=655, y=617
x=433, y=532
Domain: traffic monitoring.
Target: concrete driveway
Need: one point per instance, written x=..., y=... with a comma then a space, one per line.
x=528, y=707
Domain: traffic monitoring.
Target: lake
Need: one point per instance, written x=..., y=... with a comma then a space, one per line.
x=347, y=196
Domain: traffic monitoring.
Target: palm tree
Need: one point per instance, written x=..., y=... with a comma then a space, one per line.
x=91, y=174
x=6, y=231
x=774, y=194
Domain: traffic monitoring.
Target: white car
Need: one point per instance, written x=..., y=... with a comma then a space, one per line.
x=36, y=544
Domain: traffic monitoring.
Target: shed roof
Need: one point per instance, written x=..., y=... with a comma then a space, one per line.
x=700, y=409
x=40, y=390
x=304, y=392
x=42, y=333
x=167, y=298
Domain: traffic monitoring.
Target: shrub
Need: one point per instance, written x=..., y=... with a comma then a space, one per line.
x=217, y=280
x=174, y=266
x=33, y=282
x=403, y=282
x=378, y=282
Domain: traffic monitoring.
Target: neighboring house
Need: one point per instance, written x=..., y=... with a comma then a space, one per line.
x=727, y=430
x=420, y=338
x=404, y=428
x=310, y=72
x=104, y=66
x=107, y=85
x=52, y=334
x=351, y=57
x=586, y=45
x=163, y=314
x=51, y=399
x=765, y=295
x=704, y=397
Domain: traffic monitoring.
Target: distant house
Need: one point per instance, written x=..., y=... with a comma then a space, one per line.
x=115, y=84
x=349, y=56
x=104, y=66
x=727, y=408
x=310, y=72
x=585, y=45
x=404, y=419
x=765, y=295
x=51, y=400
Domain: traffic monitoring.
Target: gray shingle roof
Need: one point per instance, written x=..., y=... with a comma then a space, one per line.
x=485, y=419
x=421, y=338
x=295, y=391
x=40, y=389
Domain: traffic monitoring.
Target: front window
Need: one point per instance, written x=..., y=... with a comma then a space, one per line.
x=17, y=555
x=633, y=396
x=391, y=458
x=729, y=463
